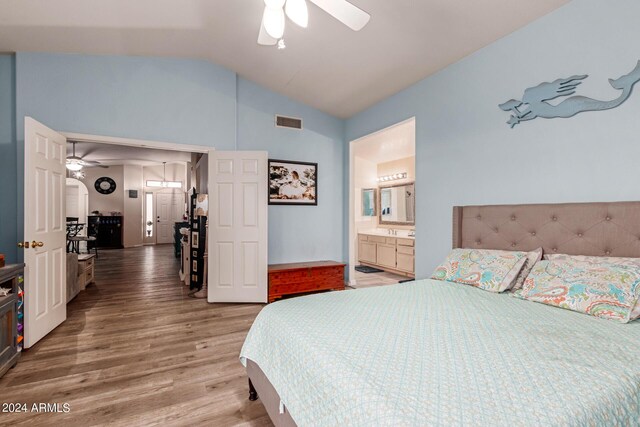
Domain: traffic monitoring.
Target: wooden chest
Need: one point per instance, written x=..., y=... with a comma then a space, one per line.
x=304, y=277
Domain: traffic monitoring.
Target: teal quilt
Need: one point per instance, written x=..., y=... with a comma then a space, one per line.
x=439, y=354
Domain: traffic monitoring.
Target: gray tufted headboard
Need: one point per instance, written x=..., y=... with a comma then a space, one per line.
x=600, y=229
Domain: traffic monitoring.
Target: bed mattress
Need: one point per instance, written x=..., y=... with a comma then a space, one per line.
x=436, y=353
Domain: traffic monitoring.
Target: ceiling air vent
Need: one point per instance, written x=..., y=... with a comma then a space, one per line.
x=288, y=122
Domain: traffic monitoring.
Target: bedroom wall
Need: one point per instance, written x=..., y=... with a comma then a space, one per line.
x=298, y=233
x=8, y=236
x=187, y=102
x=466, y=154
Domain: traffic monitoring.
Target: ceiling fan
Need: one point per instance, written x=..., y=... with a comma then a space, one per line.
x=273, y=19
x=75, y=163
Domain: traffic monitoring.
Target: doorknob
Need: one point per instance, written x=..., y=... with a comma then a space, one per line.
x=23, y=245
x=35, y=244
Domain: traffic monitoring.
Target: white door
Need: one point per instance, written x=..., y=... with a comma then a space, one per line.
x=163, y=218
x=169, y=207
x=45, y=153
x=237, y=238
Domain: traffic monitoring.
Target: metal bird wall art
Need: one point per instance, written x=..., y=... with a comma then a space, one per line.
x=534, y=101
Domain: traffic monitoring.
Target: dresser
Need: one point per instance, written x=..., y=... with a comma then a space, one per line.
x=107, y=230
x=305, y=277
x=389, y=253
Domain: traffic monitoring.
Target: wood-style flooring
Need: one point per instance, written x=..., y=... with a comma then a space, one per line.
x=368, y=280
x=136, y=350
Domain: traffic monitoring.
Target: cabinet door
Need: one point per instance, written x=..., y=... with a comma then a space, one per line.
x=405, y=262
x=367, y=252
x=386, y=255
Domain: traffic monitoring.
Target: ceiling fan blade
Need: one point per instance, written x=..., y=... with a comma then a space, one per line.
x=91, y=163
x=350, y=15
x=264, y=38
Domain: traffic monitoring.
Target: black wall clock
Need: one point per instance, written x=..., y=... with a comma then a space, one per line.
x=105, y=185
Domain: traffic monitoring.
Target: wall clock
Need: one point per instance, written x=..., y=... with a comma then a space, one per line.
x=105, y=185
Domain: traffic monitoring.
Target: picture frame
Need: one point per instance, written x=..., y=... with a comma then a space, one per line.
x=195, y=240
x=293, y=183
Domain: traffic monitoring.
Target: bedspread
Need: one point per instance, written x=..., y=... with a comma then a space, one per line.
x=435, y=353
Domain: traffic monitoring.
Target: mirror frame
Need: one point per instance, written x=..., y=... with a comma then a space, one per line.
x=375, y=202
x=383, y=222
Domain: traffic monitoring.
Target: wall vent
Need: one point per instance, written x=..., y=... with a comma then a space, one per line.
x=288, y=122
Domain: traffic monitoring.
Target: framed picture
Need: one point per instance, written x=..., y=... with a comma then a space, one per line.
x=195, y=240
x=293, y=183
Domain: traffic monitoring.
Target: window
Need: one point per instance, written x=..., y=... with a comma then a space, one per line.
x=148, y=216
x=165, y=184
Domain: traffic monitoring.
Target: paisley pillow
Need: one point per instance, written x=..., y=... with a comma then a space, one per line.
x=494, y=271
x=532, y=258
x=606, y=290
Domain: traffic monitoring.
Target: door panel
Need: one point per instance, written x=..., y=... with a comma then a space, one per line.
x=238, y=226
x=386, y=255
x=169, y=208
x=44, y=207
x=367, y=252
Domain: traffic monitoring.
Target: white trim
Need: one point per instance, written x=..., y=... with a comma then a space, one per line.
x=352, y=218
x=174, y=146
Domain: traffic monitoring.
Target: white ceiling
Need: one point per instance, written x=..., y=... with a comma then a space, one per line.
x=387, y=145
x=327, y=65
x=112, y=154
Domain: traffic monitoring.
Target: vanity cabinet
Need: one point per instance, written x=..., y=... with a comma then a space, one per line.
x=367, y=250
x=393, y=254
x=405, y=260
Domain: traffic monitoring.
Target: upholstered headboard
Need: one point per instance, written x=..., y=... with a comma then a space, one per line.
x=600, y=229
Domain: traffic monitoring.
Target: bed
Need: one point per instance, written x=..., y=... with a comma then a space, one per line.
x=434, y=353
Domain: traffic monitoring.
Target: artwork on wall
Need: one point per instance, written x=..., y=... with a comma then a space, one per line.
x=535, y=103
x=293, y=183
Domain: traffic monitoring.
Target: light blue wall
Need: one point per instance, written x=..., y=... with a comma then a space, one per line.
x=189, y=102
x=298, y=233
x=466, y=154
x=8, y=193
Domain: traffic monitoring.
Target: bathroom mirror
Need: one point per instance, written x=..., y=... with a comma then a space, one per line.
x=398, y=204
x=369, y=202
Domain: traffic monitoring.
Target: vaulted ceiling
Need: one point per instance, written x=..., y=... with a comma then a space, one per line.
x=326, y=66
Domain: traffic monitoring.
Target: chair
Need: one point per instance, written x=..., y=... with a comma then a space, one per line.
x=92, y=242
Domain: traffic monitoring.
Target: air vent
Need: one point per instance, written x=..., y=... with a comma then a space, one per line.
x=288, y=122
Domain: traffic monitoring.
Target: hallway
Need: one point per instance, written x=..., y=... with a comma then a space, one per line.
x=136, y=350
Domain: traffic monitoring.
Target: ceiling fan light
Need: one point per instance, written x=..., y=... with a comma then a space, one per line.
x=274, y=4
x=274, y=22
x=298, y=12
x=73, y=165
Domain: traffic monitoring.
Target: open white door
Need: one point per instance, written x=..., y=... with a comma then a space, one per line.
x=237, y=235
x=45, y=153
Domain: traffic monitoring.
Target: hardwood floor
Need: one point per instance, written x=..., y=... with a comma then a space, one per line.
x=368, y=280
x=136, y=350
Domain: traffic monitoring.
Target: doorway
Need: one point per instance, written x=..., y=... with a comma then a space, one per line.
x=236, y=190
x=382, y=196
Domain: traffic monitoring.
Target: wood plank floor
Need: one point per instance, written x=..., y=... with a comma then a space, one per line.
x=136, y=350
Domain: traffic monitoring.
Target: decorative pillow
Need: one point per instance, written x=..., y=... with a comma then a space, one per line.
x=532, y=258
x=601, y=289
x=494, y=271
x=629, y=262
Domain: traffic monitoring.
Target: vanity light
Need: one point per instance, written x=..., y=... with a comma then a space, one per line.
x=393, y=177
